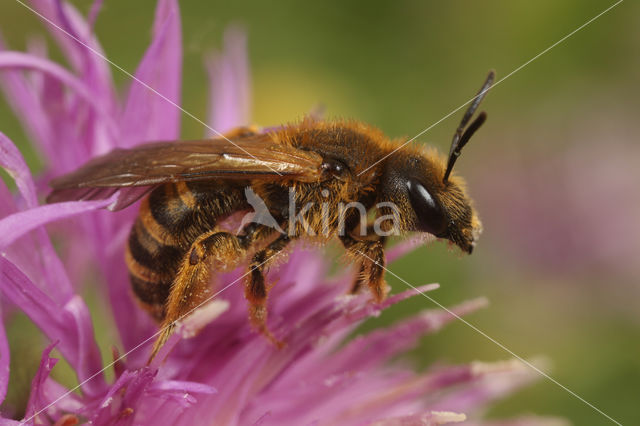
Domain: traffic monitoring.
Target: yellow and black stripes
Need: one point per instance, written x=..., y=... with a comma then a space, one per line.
x=171, y=218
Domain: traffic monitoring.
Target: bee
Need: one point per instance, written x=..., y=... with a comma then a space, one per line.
x=189, y=187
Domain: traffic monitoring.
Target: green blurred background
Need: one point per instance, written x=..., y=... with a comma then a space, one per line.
x=557, y=258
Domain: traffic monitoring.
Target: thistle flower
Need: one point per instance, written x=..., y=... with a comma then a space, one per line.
x=221, y=371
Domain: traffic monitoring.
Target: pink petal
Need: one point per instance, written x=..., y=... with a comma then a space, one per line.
x=12, y=161
x=46, y=109
x=55, y=24
x=383, y=344
x=74, y=37
x=22, y=98
x=139, y=389
x=181, y=386
x=347, y=370
x=95, y=72
x=19, y=60
x=16, y=225
x=95, y=10
x=407, y=246
x=178, y=391
x=190, y=326
x=92, y=129
x=37, y=400
x=522, y=421
x=7, y=202
x=110, y=405
x=489, y=382
x=70, y=323
x=151, y=114
x=21, y=251
x=45, y=391
x=229, y=84
x=134, y=324
x=4, y=362
x=433, y=418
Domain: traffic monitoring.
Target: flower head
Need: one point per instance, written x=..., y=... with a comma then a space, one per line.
x=214, y=368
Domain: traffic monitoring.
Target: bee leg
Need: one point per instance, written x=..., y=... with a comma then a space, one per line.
x=369, y=254
x=361, y=278
x=256, y=291
x=190, y=287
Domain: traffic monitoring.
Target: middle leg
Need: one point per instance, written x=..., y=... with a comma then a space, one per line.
x=256, y=291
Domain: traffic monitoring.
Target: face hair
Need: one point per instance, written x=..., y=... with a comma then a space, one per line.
x=462, y=136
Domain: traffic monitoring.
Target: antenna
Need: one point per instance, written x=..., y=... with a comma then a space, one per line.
x=462, y=136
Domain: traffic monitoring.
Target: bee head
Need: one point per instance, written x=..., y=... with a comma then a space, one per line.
x=432, y=199
x=414, y=183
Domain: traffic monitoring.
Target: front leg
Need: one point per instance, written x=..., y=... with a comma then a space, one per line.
x=256, y=291
x=369, y=255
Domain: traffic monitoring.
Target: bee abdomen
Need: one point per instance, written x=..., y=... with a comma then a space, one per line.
x=152, y=266
x=154, y=252
x=151, y=295
x=170, y=219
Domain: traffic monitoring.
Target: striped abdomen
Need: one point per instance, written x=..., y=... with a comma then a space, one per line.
x=170, y=219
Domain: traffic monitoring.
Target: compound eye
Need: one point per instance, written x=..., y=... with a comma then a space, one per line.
x=429, y=213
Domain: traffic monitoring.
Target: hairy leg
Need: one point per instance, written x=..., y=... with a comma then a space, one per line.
x=256, y=291
x=190, y=287
x=369, y=255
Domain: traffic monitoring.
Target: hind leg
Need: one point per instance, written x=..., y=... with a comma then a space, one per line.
x=190, y=288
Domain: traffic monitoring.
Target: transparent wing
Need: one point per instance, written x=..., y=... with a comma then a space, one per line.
x=135, y=171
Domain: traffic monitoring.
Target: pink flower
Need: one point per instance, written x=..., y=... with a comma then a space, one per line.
x=217, y=370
